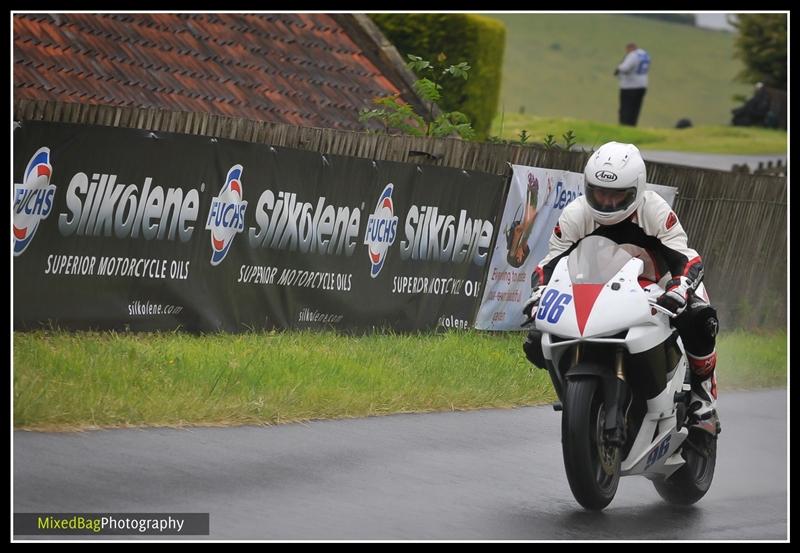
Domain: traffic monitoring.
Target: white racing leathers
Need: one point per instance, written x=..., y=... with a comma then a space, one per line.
x=652, y=233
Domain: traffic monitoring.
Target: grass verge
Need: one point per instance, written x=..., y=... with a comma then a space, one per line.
x=69, y=381
x=702, y=139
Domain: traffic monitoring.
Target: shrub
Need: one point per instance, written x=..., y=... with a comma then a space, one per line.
x=477, y=40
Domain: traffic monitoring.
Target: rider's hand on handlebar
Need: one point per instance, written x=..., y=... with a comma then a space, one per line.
x=676, y=294
x=529, y=309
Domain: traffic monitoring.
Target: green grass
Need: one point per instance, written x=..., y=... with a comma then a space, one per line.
x=708, y=139
x=750, y=360
x=66, y=381
x=561, y=65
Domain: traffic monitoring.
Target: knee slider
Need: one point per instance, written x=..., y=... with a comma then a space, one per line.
x=705, y=321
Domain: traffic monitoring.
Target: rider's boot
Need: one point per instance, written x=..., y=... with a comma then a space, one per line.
x=703, y=399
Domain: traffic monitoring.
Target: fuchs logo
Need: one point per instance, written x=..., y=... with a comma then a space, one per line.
x=226, y=216
x=33, y=199
x=381, y=230
x=606, y=176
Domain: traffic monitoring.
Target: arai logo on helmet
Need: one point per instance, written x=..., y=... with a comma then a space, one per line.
x=381, y=230
x=33, y=199
x=606, y=176
x=226, y=215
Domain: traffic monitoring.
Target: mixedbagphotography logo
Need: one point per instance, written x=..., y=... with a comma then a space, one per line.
x=226, y=215
x=381, y=230
x=33, y=199
x=115, y=524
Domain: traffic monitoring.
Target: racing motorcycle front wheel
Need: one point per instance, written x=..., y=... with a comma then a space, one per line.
x=592, y=466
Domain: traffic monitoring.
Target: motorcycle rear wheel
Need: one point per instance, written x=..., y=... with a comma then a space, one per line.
x=689, y=484
x=592, y=467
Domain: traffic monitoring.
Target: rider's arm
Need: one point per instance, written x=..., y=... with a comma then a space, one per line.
x=659, y=220
x=629, y=63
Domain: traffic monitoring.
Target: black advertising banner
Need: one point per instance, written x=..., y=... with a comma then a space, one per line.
x=129, y=229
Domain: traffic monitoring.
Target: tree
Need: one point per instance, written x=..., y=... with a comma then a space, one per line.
x=761, y=45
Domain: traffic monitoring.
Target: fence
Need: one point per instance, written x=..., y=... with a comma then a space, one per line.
x=737, y=221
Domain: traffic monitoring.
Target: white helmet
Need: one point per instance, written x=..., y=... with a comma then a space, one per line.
x=614, y=182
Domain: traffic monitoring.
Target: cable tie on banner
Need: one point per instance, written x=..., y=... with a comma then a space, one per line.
x=510, y=166
x=325, y=160
x=419, y=169
x=151, y=134
x=374, y=164
x=273, y=150
x=17, y=125
x=213, y=140
x=465, y=172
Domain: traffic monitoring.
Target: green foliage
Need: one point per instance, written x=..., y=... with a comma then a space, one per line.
x=395, y=115
x=400, y=116
x=699, y=138
x=569, y=139
x=549, y=142
x=458, y=37
x=428, y=89
x=452, y=122
x=762, y=45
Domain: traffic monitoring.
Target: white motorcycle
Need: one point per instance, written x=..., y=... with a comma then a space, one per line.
x=621, y=374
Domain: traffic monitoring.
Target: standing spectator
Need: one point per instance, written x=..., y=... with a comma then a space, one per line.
x=632, y=73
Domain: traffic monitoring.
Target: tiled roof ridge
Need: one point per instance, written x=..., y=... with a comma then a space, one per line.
x=303, y=69
x=206, y=37
x=242, y=28
x=82, y=95
x=168, y=90
x=222, y=61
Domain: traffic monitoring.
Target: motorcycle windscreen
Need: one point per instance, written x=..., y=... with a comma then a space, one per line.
x=595, y=260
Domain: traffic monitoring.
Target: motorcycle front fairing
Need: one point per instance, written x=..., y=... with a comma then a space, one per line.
x=599, y=312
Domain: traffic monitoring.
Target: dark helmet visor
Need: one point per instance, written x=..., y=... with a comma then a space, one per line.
x=609, y=200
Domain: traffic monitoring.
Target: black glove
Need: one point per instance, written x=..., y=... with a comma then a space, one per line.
x=616, y=72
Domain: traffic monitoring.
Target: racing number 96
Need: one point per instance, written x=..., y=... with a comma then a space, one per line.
x=552, y=306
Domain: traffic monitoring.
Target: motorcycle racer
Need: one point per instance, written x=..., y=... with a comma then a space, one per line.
x=617, y=205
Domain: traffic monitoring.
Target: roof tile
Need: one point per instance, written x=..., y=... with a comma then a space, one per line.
x=291, y=68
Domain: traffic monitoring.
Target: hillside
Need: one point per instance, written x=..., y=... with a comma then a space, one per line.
x=561, y=65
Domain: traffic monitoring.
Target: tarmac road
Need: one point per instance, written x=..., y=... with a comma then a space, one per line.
x=479, y=475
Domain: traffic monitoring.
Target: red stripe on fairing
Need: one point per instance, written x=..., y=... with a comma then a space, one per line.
x=235, y=186
x=585, y=297
x=645, y=282
x=20, y=233
x=375, y=257
x=43, y=170
x=218, y=244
